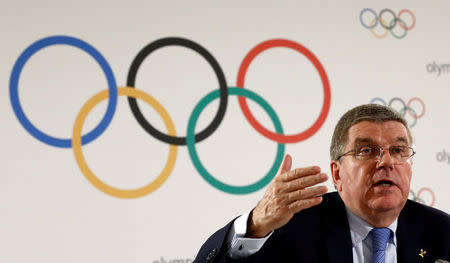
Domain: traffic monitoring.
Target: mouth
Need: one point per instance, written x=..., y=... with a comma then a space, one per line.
x=384, y=183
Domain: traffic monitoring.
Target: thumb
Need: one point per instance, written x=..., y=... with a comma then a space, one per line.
x=286, y=164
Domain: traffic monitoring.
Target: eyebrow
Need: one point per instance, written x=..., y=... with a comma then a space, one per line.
x=360, y=140
x=365, y=140
x=402, y=139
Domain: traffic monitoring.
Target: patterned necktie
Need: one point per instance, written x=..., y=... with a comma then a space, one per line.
x=380, y=237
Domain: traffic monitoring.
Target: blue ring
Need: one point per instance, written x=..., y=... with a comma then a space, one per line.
x=378, y=99
x=374, y=14
x=14, y=97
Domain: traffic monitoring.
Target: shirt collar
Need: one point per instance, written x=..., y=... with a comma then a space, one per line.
x=359, y=229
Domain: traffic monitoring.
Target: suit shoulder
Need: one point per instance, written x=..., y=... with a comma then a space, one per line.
x=331, y=208
x=426, y=213
x=329, y=200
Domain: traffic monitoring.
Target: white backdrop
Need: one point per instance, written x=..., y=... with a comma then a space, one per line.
x=50, y=212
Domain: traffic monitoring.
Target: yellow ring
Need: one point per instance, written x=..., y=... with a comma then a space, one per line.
x=373, y=32
x=79, y=157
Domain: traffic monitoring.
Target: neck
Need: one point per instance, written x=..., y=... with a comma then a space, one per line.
x=378, y=218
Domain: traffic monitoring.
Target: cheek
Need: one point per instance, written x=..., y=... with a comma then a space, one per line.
x=406, y=178
x=356, y=179
x=407, y=182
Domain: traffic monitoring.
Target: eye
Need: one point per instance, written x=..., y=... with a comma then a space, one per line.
x=400, y=150
x=365, y=150
x=397, y=149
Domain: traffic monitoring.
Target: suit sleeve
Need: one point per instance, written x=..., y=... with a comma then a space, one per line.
x=216, y=249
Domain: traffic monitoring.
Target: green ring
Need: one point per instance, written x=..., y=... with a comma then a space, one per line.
x=403, y=111
x=391, y=25
x=190, y=142
x=414, y=195
x=420, y=200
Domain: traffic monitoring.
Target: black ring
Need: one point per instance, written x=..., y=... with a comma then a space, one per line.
x=393, y=14
x=211, y=60
x=401, y=101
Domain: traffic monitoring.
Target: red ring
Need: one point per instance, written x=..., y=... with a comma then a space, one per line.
x=431, y=192
x=412, y=15
x=423, y=107
x=326, y=89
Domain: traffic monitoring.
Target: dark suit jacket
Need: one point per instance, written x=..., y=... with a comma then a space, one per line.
x=322, y=234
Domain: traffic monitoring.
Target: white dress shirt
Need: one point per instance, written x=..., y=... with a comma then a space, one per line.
x=362, y=242
x=240, y=247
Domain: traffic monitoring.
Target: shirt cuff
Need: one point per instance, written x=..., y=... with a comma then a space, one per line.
x=240, y=246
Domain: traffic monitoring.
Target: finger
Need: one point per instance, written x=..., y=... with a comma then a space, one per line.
x=306, y=193
x=300, y=172
x=300, y=183
x=307, y=181
x=299, y=205
x=284, y=167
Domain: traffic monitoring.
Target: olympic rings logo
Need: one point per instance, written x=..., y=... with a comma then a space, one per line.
x=405, y=107
x=78, y=140
x=429, y=199
x=388, y=26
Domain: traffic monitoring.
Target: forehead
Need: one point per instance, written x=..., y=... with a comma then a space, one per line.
x=381, y=133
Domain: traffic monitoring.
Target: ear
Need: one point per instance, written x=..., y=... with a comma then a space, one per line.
x=335, y=173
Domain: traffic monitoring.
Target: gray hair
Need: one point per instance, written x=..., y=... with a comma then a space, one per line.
x=367, y=112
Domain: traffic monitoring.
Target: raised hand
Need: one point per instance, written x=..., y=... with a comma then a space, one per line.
x=288, y=193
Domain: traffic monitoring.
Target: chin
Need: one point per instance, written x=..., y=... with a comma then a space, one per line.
x=387, y=203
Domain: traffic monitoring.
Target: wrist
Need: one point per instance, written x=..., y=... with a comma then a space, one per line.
x=254, y=228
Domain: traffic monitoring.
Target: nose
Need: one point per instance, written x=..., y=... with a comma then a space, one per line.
x=386, y=160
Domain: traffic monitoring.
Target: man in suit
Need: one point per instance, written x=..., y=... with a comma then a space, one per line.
x=368, y=219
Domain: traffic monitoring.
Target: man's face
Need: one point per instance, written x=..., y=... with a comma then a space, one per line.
x=373, y=187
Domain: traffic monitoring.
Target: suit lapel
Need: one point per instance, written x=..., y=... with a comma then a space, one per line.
x=410, y=237
x=338, y=244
